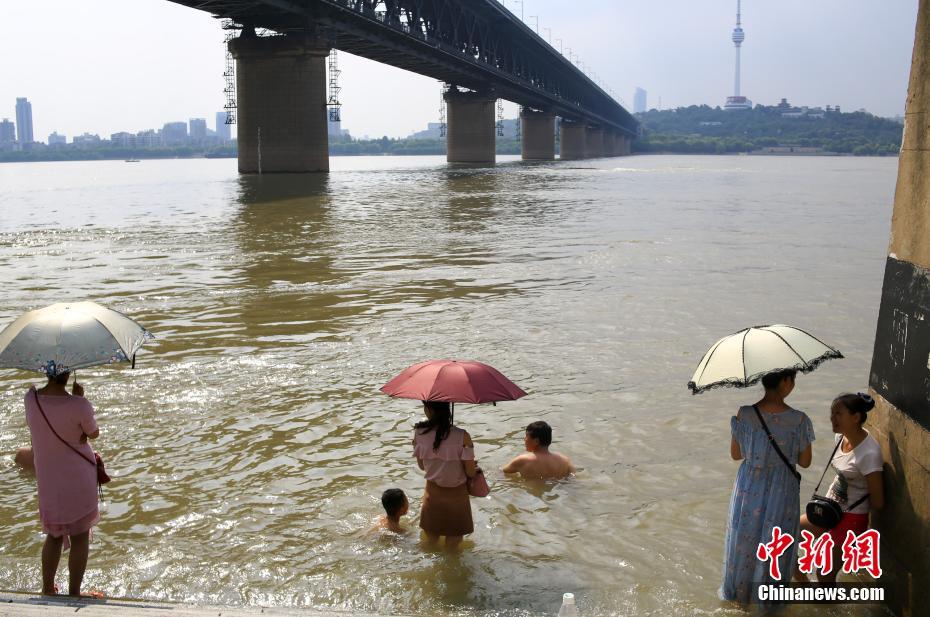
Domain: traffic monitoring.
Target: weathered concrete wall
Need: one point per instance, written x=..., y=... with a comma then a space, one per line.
x=537, y=135
x=572, y=141
x=281, y=97
x=900, y=373
x=471, y=129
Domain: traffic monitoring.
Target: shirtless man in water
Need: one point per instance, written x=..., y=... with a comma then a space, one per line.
x=539, y=462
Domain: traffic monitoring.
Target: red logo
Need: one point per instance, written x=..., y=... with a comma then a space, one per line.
x=780, y=543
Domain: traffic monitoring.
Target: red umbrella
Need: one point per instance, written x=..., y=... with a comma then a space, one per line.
x=453, y=381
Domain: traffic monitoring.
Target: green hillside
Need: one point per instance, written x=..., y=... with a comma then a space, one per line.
x=709, y=130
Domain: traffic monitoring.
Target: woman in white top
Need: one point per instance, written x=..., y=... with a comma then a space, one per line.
x=858, y=466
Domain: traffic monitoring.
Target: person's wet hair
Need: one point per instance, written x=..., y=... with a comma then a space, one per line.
x=441, y=421
x=770, y=381
x=393, y=500
x=541, y=431
x=859, y=403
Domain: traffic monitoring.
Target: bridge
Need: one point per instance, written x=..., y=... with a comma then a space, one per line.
x=482, y=51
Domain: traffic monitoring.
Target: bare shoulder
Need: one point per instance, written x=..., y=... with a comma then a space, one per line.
x=466, y=440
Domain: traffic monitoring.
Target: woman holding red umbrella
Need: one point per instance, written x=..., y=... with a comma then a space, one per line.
x=446, y=453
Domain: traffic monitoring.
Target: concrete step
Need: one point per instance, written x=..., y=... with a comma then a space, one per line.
x=16, y=604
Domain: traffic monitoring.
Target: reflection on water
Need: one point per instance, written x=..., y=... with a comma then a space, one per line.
x=251, y=445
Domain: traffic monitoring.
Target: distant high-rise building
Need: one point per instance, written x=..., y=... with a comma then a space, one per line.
x=222, y=129
x=738, y=101
x=123, y=139
x=24, y=121
x=639, y=101
x=198, y=129
x=57, y=140
x=87, y=139
x=174, y=133
x=7, y=132
x=147, y=139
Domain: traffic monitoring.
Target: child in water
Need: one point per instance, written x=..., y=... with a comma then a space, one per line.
x=395, y=506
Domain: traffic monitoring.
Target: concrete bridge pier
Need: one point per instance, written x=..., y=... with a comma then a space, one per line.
x=900, y=373
x=594, y=140
x=621, y=145
x=537, y=134
x=470, y=126
x=610, y=143
x=573, y=138
x=281, y=96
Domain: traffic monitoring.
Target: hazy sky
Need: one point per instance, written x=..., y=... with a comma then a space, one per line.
x=104, y=66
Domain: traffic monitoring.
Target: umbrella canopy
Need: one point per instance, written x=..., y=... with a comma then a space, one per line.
x=64, y=337
x=744, y=357
x=453, y=381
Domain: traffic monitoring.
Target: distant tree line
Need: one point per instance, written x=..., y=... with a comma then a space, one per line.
x=701, y=129
x=344, y=146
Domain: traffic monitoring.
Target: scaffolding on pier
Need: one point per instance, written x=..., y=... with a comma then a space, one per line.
x=229, y=73
x=332, y=103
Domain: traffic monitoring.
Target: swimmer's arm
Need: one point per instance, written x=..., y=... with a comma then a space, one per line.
x=876, y=490
x=806, y=457
x=515, y=465
x=735, y=453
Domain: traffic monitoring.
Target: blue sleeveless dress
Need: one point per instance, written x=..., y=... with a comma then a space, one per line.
x=765, y=494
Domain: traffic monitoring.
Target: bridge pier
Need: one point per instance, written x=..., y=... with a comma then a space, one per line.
x=537, y=134
x=898, y=378
x=281, y=96
x=470, y=127
x=610, y=143
x=572, y=141
x=594, y=142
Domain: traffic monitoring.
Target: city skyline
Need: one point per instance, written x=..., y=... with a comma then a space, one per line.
x=677, y=53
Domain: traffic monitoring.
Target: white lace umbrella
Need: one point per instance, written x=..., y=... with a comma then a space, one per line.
x=742, y=358
x=65, y=337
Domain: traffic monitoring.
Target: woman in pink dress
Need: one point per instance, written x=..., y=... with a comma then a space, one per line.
x=67, y=484
x=446, y=453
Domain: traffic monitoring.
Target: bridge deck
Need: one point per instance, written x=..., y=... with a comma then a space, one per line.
x=477, y=44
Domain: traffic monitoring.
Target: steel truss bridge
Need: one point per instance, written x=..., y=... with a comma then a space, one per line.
x=476, y=44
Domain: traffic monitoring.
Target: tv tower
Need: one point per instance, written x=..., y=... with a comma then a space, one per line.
x=736, y=101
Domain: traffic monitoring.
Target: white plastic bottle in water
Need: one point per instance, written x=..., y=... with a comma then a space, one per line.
x=568, y=606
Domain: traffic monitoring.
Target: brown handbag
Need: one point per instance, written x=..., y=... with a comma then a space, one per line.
x=102, y=475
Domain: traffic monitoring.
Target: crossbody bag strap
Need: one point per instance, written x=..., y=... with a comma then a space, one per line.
x=839, y=442
x=55, y=433
x=829, y=461
x=794, y=472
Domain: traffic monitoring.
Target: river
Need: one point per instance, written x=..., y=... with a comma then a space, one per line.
x=250, y=445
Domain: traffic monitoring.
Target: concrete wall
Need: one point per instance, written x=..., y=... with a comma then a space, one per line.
x=281, y=97
x=900, y=373
x=470, y=127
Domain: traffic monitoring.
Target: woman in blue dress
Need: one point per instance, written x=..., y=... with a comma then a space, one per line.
x=766, y=493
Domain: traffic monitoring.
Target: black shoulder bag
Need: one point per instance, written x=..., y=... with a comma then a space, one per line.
x=102, y=476
x=824, y=512
x=794, y=472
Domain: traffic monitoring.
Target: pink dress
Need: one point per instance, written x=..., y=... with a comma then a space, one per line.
x=67, y=482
